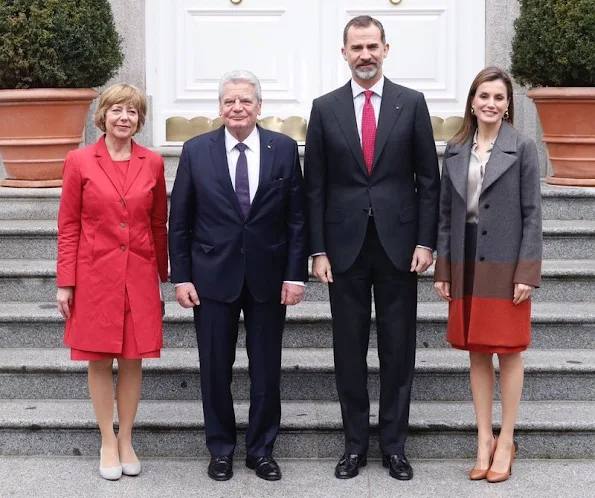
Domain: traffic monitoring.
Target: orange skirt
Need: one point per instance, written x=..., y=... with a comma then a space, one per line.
x=129, y=347
x=469, y=301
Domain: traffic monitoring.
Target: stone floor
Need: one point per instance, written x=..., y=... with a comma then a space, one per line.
x=51, y=477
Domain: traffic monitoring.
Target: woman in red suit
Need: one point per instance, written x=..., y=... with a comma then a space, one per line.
x=112, y=251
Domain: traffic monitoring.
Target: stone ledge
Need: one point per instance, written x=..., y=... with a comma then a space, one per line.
x=50, y=227
x=552, y=268
x=429, y=416
x=176, y=150
x=547, y=191
x=314, y=311
x=299, y=360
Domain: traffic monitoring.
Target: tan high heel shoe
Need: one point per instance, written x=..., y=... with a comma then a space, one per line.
x=502, y=476
x=478, y=474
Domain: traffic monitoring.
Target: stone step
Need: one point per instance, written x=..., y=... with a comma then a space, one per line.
x=563, y=280
x=308, y=325
x=308, y=429
x=567, y=203
x=171, y=159
x=559, y=203
x=302, y=478
x=307, y=374
x=36, y=239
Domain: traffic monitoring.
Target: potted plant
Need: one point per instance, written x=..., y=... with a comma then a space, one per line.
x=52, y=53
x=553, y=51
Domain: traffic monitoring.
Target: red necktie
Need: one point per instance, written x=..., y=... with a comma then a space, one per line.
x=368, y=131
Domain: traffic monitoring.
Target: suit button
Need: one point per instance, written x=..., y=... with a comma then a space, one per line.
x=122, y=225
x=123, y=202
x=487, y=206
x=122, y=248
x=242, y=251
x=482, y=258
x=484, y=232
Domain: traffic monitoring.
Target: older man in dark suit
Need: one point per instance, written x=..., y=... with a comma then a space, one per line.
x=372, y=184
x=238, y=242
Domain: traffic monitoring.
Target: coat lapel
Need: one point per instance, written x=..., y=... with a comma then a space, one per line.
x=503, y=155
x=458, y=167
x=137, y=159
x=267, y=155
x=345, y=114
x=107, y=165
x=219, y=160
x=390, y=110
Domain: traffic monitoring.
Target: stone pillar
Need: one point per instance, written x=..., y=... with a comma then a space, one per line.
x=500, y=16
x=129, y=16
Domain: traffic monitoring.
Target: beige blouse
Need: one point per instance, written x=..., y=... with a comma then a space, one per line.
x=475, y=180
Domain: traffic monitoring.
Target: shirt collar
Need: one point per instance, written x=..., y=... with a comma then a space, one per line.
x=377, y=88
x=475, y=141
x=251, y=140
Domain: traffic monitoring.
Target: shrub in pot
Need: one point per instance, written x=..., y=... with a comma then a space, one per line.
x=52, y=53
x=553, y=51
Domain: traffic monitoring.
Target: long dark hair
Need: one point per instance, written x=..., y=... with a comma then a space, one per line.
x=469, y=125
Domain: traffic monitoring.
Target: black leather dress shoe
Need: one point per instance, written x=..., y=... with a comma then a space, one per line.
x=398, y=467
x=221, y=468
x=266, y=468
x=349, y=465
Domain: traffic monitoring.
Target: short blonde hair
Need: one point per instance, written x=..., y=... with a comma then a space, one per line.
x=121, y=93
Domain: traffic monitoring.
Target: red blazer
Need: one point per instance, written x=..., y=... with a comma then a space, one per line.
x=112, y=239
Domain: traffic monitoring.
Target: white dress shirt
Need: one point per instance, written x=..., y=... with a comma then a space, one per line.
x=252, y=152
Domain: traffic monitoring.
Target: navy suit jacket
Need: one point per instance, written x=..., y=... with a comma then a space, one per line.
x=213, y=246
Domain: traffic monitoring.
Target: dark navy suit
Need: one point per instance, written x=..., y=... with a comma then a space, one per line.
x=238, y=264
x=369, y=225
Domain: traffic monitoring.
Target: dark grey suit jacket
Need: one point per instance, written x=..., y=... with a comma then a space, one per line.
x=402, y=190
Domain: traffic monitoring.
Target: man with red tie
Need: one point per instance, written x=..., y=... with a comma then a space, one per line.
x=372, y=185
x=238, y=243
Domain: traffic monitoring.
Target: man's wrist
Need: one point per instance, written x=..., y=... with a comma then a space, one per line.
x=294, y=282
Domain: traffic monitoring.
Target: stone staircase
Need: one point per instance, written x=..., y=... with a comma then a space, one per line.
x=44, y=406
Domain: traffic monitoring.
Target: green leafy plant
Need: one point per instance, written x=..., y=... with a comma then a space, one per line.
x=554, y=43
x=57, y=44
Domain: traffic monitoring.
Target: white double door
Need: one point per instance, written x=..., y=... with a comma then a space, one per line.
x=294, y=47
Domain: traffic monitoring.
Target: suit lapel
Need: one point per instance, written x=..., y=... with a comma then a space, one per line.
x=137, y=159
x=458, y=167
x=267, y=155
x=345, y=114
x=107, y=165
x=219, y=160
x=503, y=155
x=390, y=110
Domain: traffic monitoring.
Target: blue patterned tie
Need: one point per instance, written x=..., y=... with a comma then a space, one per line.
x=242, y=183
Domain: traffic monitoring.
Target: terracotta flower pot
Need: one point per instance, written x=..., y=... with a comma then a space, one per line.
x=567, y=119
x=37, y=129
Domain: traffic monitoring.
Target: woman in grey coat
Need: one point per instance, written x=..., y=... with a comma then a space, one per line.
x=489, y=257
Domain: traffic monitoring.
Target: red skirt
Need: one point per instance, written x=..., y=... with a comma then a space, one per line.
x=129, y=347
